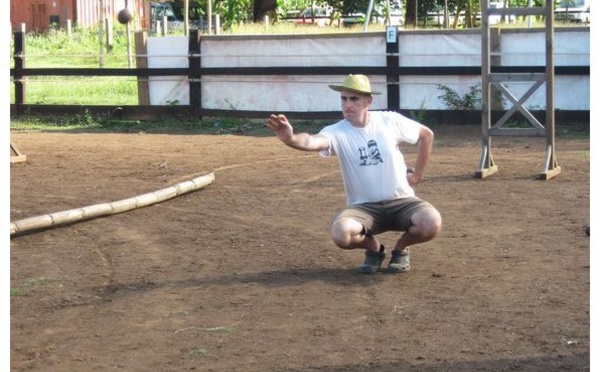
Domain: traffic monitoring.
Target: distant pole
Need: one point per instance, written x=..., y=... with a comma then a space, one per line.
x=217, y=24
x=128, y=31
x=186, y=17
x=416, y=13
x=129, y=56
x=529, y=17
x=368, y=17
x=446, y=18
x=209, y=15
x=109, y=34
x=101, y=32
x=388, y=8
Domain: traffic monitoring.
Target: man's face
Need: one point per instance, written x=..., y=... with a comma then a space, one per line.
x=355, y=106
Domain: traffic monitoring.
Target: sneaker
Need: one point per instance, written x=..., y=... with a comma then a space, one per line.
x=372, y=262
x=400, y=261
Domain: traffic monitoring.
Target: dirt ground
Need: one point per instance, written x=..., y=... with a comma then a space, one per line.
x=242, y=275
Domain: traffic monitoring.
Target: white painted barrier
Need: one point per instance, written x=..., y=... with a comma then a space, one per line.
x=281, y=93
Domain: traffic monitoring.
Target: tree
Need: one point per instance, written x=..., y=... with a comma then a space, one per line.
x=262, y=8
x=231, y=11
x=410, y=15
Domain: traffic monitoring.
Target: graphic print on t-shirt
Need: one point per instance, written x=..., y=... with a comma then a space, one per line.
x=370, y=155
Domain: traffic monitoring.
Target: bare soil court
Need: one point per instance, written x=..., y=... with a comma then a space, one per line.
x=242, y=275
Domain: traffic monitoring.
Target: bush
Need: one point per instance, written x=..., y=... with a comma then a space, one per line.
x=469, y=101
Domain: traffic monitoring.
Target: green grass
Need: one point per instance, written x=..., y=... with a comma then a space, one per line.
x=80, y=91
x=199, y=352
x=80, y=49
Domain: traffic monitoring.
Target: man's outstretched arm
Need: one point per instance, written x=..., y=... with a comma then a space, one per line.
x=300, y=141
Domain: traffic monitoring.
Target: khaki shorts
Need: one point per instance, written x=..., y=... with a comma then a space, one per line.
x=379, y=217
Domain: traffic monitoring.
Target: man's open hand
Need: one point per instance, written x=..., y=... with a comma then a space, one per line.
x=281, y=126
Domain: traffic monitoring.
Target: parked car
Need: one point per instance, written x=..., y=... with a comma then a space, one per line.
x=349, y=20
x=576, y=11
x=158, y=12
x=321, y=16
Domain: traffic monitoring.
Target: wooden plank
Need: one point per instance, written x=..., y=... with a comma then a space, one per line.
x=511, y=77
x=518, y=132
x=534, y=11
x=18, y=156
x=550, y=167
x=140, y=40
x=18, y=159
x=141, y=71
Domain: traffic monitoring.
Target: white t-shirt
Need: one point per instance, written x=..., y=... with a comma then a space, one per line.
x=373, y=168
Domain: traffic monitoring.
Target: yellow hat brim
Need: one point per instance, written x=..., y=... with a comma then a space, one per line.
x=341, y=88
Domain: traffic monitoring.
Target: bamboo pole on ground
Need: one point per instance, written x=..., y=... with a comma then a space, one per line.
x=105, y=209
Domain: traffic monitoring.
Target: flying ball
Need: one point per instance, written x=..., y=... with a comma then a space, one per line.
x=124, y=16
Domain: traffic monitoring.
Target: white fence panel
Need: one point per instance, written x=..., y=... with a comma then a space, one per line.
x=279, y=93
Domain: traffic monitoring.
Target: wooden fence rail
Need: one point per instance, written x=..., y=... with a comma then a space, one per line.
x=195, y=72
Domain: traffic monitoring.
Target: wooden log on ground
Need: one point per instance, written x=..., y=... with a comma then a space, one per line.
x=105, y=209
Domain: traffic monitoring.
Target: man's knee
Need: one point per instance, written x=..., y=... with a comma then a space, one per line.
x=428, y=223
x=342, y=231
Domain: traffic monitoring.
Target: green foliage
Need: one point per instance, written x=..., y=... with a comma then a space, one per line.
x=232, y=12
x=285, y=6
x=68, y=122
x=469, y=101
x=81, y=48
x=199, y=352
x=419, y=115
x=81, y=91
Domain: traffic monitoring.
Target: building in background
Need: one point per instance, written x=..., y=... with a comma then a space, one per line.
x=41, y=15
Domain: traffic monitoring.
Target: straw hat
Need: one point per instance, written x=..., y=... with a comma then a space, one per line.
x=355, y=83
